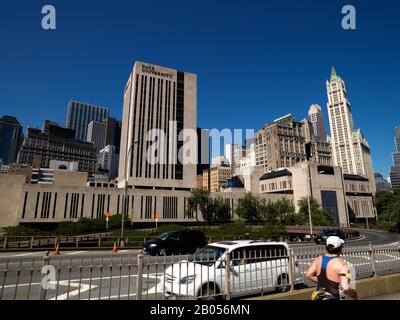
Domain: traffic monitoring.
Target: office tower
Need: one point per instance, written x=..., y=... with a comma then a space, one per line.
x=113, y=133
x=108, y=160
x=249, y=161
x=286, y=142
x=381, y=183
x=316, y=117
x=280, y=144
x=216, y=178
x=96, y=134
x=234, y=154
x=55, y=142
x=159, y=103
x=351, y=150
x=203, y=150
x=219, y=161
x=395, y=169
x=317, y=149
x=80, y=114
x=10, y=139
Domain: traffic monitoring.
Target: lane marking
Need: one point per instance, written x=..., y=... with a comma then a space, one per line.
x=81, y=288
x=73, y=253
x=23, y=255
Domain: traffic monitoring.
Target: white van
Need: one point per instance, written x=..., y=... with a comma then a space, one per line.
x=255, y=267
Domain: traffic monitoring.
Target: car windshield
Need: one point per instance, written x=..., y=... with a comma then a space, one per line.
x=165, y=235
x=207, y=255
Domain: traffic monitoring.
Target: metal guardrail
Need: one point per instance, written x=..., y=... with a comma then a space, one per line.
x=141, y=277
x=104, y=240
x=48, y=242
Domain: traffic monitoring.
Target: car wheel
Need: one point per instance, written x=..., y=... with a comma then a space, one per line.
x=283, y=283
x=162, y=252
x=208, y=292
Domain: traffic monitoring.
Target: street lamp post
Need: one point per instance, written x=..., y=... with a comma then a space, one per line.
x=308, y=182
x=309, y=205
x=126, y=188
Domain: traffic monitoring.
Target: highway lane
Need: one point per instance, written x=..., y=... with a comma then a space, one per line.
x=103, y=275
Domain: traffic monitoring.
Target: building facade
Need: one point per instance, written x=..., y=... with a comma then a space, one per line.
x=10, y=139
x=249, y=161
x=216, y=179
x=96, y=134
x=113, y=133
x=80, y=114
x=395, y=169
x=318, y=149
x=203, y=150
x=54, y=142
x=280, y=144
x=108, y=160
x=316, y=117
x=350, y=149
x=345, y=197
x=381, y=183
x=234, y=154
x=24, y=203
x=159, y=110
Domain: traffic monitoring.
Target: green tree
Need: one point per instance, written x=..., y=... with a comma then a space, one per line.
x=200, y=200
x=388, y=208
x=318, y=215
x=273, y=231
x=249, y=208
x=220, y=210
x=236, y=228
x=279, y=211
x=284, y=210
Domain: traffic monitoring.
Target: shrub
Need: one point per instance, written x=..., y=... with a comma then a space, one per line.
x=20, y=231
x=170, y=227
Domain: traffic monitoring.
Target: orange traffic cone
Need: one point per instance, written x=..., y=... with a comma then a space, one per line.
x=57, y=250
x=115, y=249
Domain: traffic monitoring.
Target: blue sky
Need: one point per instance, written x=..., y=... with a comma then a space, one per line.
x=255, y=60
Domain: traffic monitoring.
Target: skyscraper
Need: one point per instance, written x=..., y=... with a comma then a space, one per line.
x=80, y=114
x=10, y=139
x=395, y=169
x=381, y=183
x=351, y=150
x=108, y=160
x=159, y=103
x=113, y=133
x=234, y=154
x=316, y=118
x=96, y=134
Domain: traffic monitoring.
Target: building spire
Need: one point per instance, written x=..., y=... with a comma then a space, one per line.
x=333, y=74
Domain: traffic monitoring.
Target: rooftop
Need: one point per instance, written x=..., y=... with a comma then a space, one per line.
x=276, y=174
x=354, y=177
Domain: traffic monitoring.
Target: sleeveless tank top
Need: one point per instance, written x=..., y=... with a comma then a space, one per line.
x=324, y=283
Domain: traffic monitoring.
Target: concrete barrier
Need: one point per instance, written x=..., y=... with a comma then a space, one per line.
x=366, y=288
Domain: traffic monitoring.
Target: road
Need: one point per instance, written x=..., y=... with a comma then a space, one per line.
x=104, y=275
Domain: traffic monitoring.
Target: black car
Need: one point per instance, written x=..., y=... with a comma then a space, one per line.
x=176, y=242
x=326, y=233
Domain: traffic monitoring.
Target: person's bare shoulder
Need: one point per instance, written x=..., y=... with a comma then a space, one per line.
x=340, y=264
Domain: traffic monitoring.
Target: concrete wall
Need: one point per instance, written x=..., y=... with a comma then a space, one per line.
x=67, y=178
x=10, y=198
x=28, y=203
x=366, y=288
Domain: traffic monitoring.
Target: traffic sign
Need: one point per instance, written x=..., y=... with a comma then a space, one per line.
x=157, y=216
